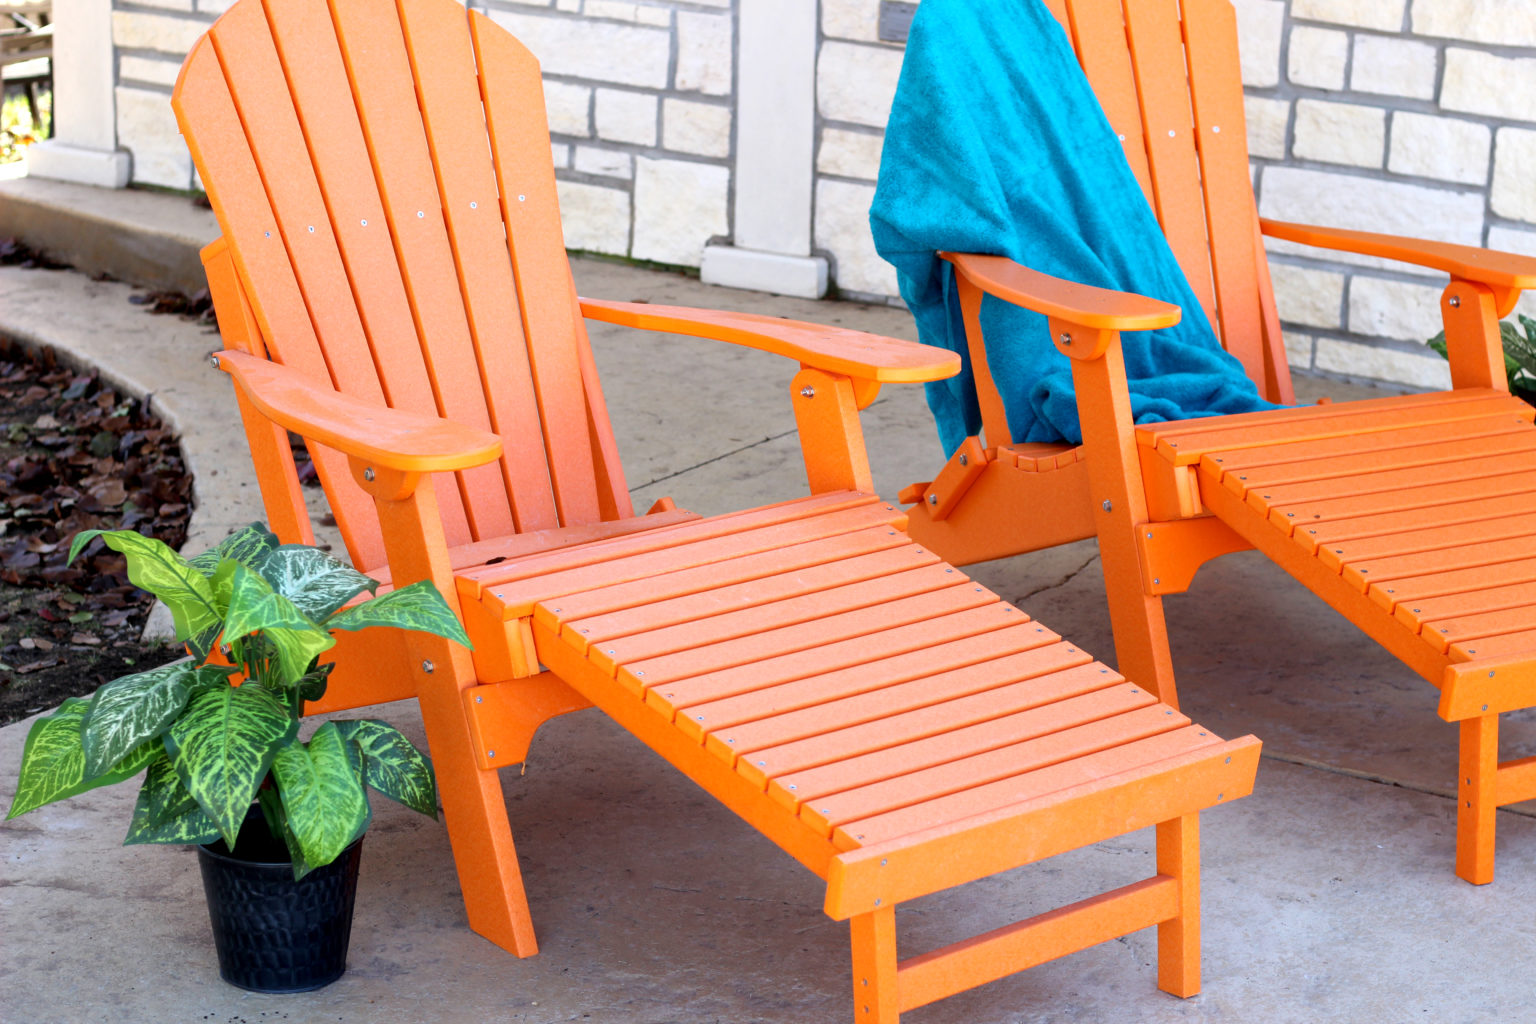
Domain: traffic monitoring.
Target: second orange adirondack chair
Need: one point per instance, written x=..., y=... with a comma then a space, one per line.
x=1412, y=517
x=391, y=285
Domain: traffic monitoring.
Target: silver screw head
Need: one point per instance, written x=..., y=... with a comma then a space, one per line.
x=1066, y=339
x=428, y=667
x=807, y=392
x=1107, y=506
x=490, y=753
x=479, y=699
x=368, y=473
x=1455, y=301
x=965, y=460
x=213, y=361
x=933, y=499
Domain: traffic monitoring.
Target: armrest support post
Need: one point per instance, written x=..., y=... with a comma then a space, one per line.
x=831, y=441
x=1119, y=494
x=1472, y=339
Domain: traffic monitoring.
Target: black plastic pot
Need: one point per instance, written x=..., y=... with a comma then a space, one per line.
x=274, y=934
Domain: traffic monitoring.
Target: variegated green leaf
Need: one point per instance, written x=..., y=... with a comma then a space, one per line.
x=223, y=745
x=248, y=546
x=53, y=760
x=322, y=788
x=271, y=802
x=254, y=605
x=392, y=764
x=154, y=567
x=418, y=606
x=315, y=582
x=313, y=685
x=133, y=709
x=166, y=813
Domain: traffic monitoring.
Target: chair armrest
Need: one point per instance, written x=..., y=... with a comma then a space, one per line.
x=389, y=438
x=1085, y=305
x=1506, y=273
x=835, y=349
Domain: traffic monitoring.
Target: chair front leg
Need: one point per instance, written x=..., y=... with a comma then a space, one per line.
x=473, y=805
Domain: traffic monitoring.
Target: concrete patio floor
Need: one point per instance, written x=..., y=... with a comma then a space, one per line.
x=1328, y=893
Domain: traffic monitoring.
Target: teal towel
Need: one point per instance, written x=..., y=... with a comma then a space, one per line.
x=997, y=145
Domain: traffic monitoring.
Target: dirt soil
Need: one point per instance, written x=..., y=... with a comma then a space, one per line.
x=75, y=455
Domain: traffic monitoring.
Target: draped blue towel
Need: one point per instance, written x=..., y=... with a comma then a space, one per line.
x=996, y=145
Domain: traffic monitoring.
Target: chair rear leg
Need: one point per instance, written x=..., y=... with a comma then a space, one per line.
x=875, y=999
x=475, y=814
x=1178, y=939
x=1479, y=803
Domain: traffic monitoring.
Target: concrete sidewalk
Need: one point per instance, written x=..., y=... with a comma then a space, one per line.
x=1328, y=894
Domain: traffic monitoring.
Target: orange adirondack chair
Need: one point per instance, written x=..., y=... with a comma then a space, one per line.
x=1410, y=516
x=391, y=284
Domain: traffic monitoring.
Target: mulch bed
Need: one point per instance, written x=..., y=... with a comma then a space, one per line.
x=75, y=455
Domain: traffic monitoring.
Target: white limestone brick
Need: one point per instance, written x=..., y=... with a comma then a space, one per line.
x=601, y=50
x=526, y=3
x=147, y=69
x=1385, y=15
x=1317, y=57
x=1393, y=67
x=1298, y=349
x=856, y=83
x=1512, y=240
x=704, y=53
x=1313, y=298
x=1260, y=26
x=849, y=154
x=858, y=20
x=214, y=6
x=569, y=108
x=679, y=206
x=689, y=127
x=644, y=14
x=136, y=30
x=170, y=5
x=1447, y=148
x=1523, y=242
x=1393, y=309
x=1383, y=363
x=1482, y=83
x=1267, y=120
x=1343, y=200
x=1502, y=22
x=1514, y=175
x=624, y=116
x=560, y=154
x=842, y=229
x=1340, y=133
x=594, y=219
x=604, y=162
x=568, y=6
x=147, y=129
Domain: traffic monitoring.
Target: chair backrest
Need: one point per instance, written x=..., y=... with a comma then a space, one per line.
x=382, y=174
x=1166, y=73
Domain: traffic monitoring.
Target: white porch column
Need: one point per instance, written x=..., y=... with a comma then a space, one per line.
x=775, y=139
x=84, y=146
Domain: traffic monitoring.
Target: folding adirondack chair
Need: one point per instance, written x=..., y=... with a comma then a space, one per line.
x=391, y=285
x=1411, y=516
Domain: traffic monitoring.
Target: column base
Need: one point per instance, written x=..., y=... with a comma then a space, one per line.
x=803, y=277
x=63, y=162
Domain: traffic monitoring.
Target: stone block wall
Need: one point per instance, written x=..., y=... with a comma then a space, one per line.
x=1415, y=117
x=639, y=97
x=1409, y=116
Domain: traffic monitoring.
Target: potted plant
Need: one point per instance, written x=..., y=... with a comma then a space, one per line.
x=278, y=820
x=1519, y=356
